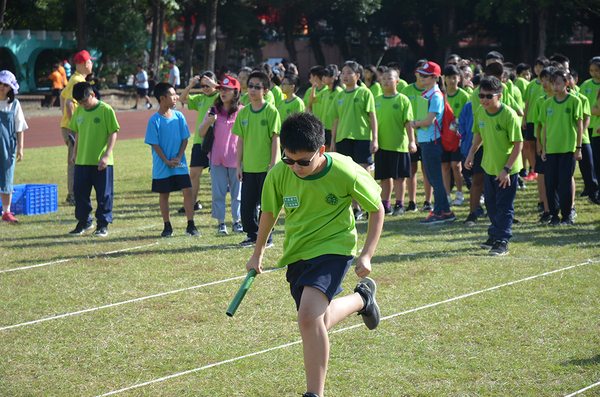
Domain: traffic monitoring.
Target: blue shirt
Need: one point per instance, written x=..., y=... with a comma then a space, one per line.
x=465, y=125
x=168, y=134
x=436, y=105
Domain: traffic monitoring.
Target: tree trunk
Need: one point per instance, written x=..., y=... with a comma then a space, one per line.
x=210, y=48
x=542, y=37
x=189, y=39
x=450, y=22
x=288, y=31
x=315, y=44
x=161, y=38
x=81, y=31
x=156, y=31
x=365, y=40
x=2, y=11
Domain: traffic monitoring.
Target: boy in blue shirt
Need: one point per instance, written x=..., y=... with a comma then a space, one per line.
x=168, y=135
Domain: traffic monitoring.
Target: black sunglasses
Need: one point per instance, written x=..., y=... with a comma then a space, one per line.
x=487, y=96
x=255, y=87
x=301, y=163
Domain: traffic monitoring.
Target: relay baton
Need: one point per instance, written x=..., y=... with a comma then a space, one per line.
x=241, y=293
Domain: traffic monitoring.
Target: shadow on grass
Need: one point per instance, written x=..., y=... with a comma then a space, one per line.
x=583, y=362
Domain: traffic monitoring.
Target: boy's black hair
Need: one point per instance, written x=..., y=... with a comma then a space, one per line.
x=477, y=79
x=451, y=70
x=210, y=74
x=557, y=65
x=523, y=67
x=267, y=68
x=574, y=74
x=294, y=80
x=382, y=68
x=245, y=69
x=548, y=71
x=494, y=69
x=139, y=65
x=161, y=90
x=395, y=65
x=276, y=79
x=509, y=65
x=82, y=91
x=494, y=55
x=264, y=79
x=492, y=84
x=452, y=56
x=316, y=70
x=560, y=58
x=302, y=132
x=543, y=61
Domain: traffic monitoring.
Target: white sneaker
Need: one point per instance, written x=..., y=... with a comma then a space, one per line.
x=459, y=199
x=449, y=200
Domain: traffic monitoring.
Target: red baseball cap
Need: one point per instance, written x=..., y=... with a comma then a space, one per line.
x=231, y=83
x=429, y=69
x=82, y=57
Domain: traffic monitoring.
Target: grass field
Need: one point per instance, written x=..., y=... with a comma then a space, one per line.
x=139, y=315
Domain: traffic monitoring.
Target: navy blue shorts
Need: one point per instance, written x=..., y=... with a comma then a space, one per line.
x=529, y=133
x=325, y=273
x=416, y=156
x=476, y=169
x=142, y=91
x=448, y=156
x=540, y=165
x=171, y=184
x=199, y=158
x=358, y=150
x=389, y=164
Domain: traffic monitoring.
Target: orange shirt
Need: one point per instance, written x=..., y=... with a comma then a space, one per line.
x=57, y=80
x=62, y=71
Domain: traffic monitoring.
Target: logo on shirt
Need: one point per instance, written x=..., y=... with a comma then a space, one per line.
x=411, y=97
x=482, y=124
x=79, y=120
x=291, y=202
x=200, y=104
x=263, y=122
x=340, y=102
x=568, y=110
x=588, y=90
x=396, y=106
x=97, y=120
x=549, y=112
x=356, y=100
x=498, y=128
x=331, y=199
x=245, y=123
x=377, y=105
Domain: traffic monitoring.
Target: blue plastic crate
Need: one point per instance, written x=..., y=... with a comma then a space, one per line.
x=34, y=199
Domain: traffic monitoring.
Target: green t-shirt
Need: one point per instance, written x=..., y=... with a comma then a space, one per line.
x=587, y=111
x=392, y=113
x=498, y=132
x=94, y=127
x=352, y=111
x=329, y=100
x=376, y=89
x=277, y=95
x=412, y=93
x=246, y=101
x=319, y=106
x=532, y=93
x=201, y=103
x=257, y=128
x=306, y=97
x=589, y=88
x=458, y=101
x=401, y=85
x=286, y=108
x=468, y=90
x=561, y=123
x=318, y=208
x=522, y=84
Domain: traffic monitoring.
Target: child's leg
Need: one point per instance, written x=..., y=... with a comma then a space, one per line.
x=476, y=191
x=400, y=189
x=586, y=166
x=490, y=201
x=163, y=203
x=195, y=174
x=551, y=178
x=6, y=201
x=188, y=203
x=83, y=189
x=427, y=186
x=386, y=189
x=458, y=178
x=541, y=180
x=446, y=169
x=412, y=182
x=315, y=317
x=566, y=167
x=103, y=184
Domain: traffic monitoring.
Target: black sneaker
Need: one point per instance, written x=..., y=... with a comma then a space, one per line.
x=101, y=232
x=70, y=200
x=489, y=244
x=310, y=395
x=412, y=206
x=269, y=245
x=167, y=231
x=449, y=216
x=398, y=210
x=427, y=207
x=358, y=214
x=573, y=214
x=541, y=208
x=388, y=210
x=222, y=229
x=247, y=243
x=593, y=200
x=566, y=222
x=81, y=228
x=500, y=248
x=554, y=221
x=370, y=312
x=191, y=230
x=546, y=217
x=521, y=183
x=471, y=219
x=197, y=207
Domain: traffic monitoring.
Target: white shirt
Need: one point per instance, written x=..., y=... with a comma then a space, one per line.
x=20, y=123
x=142, y=79
x=174, y=77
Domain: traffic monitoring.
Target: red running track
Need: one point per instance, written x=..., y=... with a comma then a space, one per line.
x=45, y=131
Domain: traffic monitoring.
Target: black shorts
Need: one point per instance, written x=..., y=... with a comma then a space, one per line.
x=416, y=156
x=358, y=150
x=476, y=169
x=529, y=133
x=448, y=156
x=540, y=165
x=56, y=92
x=199, y=158
x=389, y=164
x=171, y=184
x=327, y=137
x=142, y=91
x=325, y=273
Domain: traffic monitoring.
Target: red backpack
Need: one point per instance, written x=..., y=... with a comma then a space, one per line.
x=449, y=132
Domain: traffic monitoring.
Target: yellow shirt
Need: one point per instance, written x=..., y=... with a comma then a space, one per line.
x=67, y=93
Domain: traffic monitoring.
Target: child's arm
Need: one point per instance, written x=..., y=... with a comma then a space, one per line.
x=503, y=176
x=183, y=98
x=19, y=146
x=586, y=121
x=274, y=150
x=160, y=153
x=208, y=121
x=267, y=221
x=578, y=155
x=412, y=146
x=543, y=155
x=333, y=135
x=75, y=145
x=239, y=173
x=477, y=141
x=538, y=134
x=363, y=262
x=103, y=162
x=524, y=126
x=374, y=146
x=177, y=159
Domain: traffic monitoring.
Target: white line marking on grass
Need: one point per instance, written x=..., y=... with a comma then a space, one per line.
x=584, y=389
x=349, y=328
x=486, y=256
x=77, y=257
x=143, y=298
